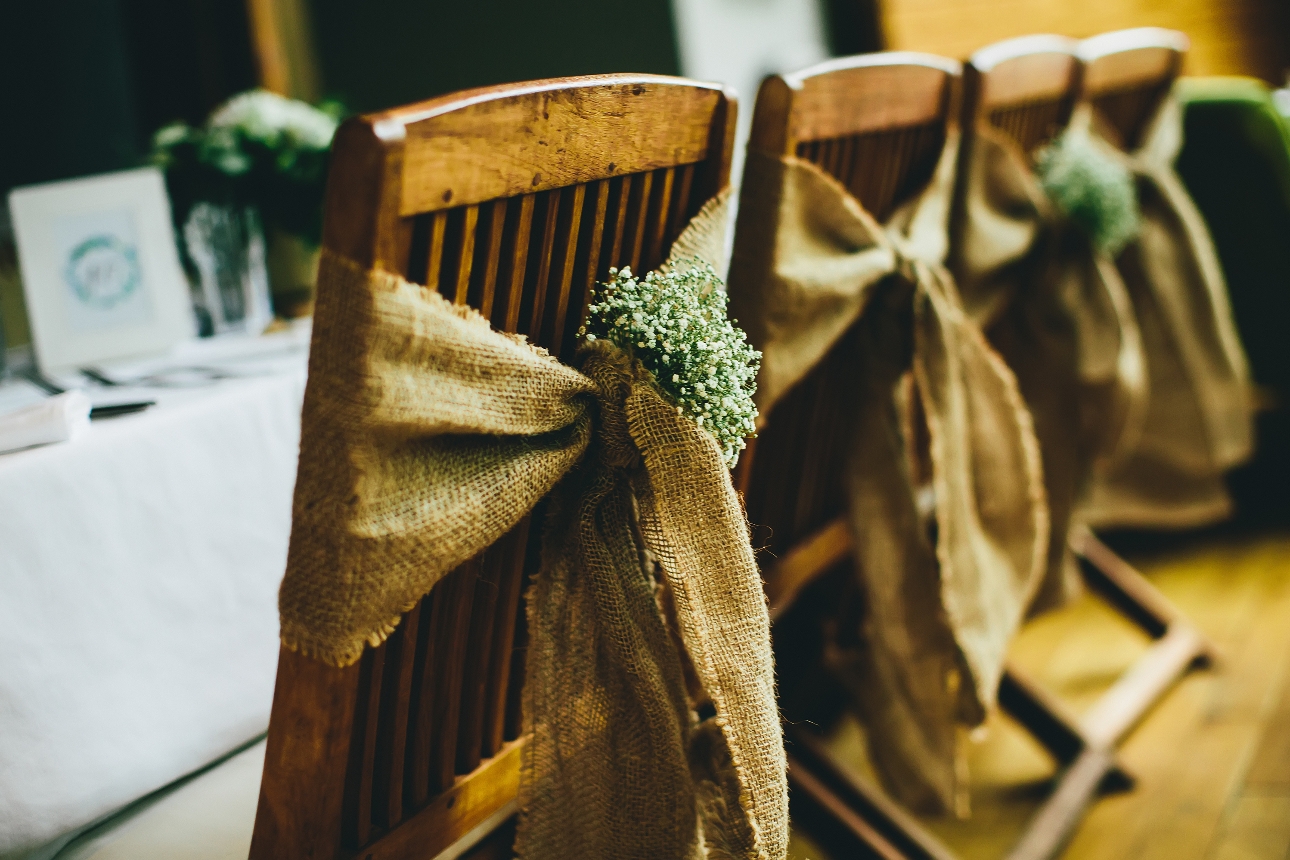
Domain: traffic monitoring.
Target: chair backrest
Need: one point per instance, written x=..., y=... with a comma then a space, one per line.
x=1026, y=87
x=514, y=199
x=877, y=123
x=1127, y=73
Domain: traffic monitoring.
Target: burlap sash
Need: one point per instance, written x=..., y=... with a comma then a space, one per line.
x=809, y=262
x=1197, y=423
x=426, y=437
x=1058, y=312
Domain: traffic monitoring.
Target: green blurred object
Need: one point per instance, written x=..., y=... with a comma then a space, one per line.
x=13, y=309
x=1094, y=189
x=1236, y=165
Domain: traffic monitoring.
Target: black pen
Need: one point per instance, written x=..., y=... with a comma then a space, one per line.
x=116, y=409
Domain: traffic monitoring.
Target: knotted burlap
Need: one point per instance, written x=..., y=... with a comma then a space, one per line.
x=1198, y=421
x=1058, y=313
x=426, y=437
x=809, y=263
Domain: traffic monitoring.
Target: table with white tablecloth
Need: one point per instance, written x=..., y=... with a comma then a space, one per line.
x=139, y=568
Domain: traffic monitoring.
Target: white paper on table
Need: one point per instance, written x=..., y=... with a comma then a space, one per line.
x=57, y=419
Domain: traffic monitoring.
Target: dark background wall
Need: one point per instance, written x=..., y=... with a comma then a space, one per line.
x=86, y=82
x=368, y=62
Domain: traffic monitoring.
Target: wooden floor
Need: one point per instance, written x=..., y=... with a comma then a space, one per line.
x=1212, y=761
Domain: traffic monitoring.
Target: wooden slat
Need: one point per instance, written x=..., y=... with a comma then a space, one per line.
x=362, y=762
x=545, y=251
x=659, y=220
x=681, y=200
x=592, y=262
x=434, y=258
x=595, y=256
x=620, y=220
x=640, y=222
x=391, y=745
x=476, y=656
x=515, y=692
x=568, y=263
x=466, y=253
x=777, y=457
x=492, y=258
x=451, y=634
x=416, y=786
x=815, y=470
x=510, y=582
x=518, y=264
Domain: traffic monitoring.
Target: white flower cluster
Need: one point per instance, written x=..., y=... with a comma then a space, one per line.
x=269, y=118
x=1093, y=189
x=676, y=324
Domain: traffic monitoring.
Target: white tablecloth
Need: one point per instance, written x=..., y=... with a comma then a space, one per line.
x=139, y=568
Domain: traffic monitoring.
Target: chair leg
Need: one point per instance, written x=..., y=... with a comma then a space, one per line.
x=880, y=825
x=1055, y=822
x=1046, y=718
x=845, y=832
x=1179, y=647
x=1120, y=584
x=867, y=824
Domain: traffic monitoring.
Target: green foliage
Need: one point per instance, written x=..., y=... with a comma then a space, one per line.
x=676, y=324
x=258, y=149
x=1092, y=189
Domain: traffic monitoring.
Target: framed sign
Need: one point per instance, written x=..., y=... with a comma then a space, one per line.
x=100, y=270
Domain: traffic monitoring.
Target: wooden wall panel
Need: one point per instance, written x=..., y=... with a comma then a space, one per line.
x=1246, y=37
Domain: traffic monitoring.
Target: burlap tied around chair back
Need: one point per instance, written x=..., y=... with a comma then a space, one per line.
x=1197, y=422
x=1059, y=314
x=809, y=264
x=427, y=436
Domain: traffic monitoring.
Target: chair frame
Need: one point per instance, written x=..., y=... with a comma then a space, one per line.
x=884, y=92
x=1140, y=64
x=887, y=91
x=450, y=192
x=1020, y=72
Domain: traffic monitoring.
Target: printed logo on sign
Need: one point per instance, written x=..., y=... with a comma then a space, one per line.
x=103, y=271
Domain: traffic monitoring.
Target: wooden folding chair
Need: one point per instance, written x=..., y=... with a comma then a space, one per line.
x=1028, y=88
x=878, y=124
x=1127, y=74
x=514, y=199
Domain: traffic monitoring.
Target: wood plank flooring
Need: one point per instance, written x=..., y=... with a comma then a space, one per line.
x=1212, y=761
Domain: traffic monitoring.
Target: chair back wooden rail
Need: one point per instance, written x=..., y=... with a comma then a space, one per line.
x=515, y=200
x=1026, y=87
x=1127, y=73
x=877, y=123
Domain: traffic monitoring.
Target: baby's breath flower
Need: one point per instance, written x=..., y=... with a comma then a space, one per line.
x=676, y=324
x=1091, y=188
